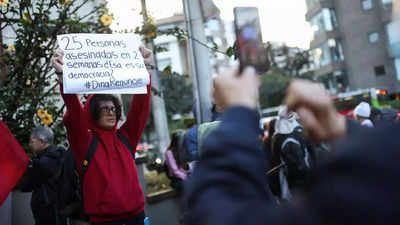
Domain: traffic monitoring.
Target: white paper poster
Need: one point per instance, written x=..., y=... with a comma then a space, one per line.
x=103, y=63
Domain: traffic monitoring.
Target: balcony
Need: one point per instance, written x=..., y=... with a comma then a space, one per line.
x=324, y=36
x=316, y=8
x=330, y=68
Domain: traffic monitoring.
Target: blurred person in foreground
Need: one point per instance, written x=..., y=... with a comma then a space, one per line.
x=358, y=186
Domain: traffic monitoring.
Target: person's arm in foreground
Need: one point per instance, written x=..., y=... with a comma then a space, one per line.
x=354, y=188
x=229, y=185
x=139, y=110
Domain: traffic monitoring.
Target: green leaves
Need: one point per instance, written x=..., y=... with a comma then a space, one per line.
x=29, y=83
x=233, y=51
x=178, y=94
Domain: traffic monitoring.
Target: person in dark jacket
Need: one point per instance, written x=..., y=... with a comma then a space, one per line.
x=290, y=149
x=358, y=186
x=111, y=188
x=177, y=170
x=41, y=177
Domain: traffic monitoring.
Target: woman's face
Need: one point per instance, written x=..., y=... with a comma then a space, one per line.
x=108, y=115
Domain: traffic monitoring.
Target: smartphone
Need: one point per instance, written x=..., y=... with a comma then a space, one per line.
x=249, y=40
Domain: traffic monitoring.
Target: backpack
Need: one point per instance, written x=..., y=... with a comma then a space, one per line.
x=69, y=182
x=203, y=131
x=297, y=157
x=68, y=188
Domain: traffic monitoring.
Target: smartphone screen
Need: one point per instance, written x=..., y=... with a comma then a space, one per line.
x=249, y=40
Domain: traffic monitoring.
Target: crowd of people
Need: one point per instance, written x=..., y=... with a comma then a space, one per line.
x=309, y=165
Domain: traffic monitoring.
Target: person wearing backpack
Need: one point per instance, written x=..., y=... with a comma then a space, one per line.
x=290, y=149
x=110, y=181
x=42, y=174
x=177, y=169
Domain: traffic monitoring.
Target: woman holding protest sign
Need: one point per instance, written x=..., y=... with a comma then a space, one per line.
x=105, y=154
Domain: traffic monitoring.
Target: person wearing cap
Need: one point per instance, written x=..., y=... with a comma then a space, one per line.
x=362, y=113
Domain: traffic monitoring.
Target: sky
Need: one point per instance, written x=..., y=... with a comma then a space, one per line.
x=281, y=20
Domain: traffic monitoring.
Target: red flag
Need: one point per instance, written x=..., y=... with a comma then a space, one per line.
x=13, y=162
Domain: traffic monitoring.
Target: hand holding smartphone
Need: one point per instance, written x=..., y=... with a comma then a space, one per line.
x=249, y=39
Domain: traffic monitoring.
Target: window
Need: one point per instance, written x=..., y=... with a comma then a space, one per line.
x=373, y=37
x=328, y=52
x=394, y=38
x=335, y=82
x=397, y=67
x=387, y=4
x=366, y=4
x=380, y=70
x=324, y=21
x=164, y=46
x=162, y=63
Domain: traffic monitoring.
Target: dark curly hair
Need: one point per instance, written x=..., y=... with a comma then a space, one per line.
x=94, y=105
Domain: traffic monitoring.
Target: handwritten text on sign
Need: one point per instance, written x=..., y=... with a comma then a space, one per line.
x=103, y=63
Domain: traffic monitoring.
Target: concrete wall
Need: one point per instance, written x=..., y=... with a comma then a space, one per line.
x=21, y=209
x=5, y=211
x=16, y=210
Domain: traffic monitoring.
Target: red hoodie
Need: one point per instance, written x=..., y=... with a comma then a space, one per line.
x=111, y=188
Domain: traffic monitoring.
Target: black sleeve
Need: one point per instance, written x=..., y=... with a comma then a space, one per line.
x=40, y=171
x=229, y=185
x=361, y=184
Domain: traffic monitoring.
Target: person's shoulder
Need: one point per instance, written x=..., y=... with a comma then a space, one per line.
x=368, y=123
x=55, y=152
x=372, y=142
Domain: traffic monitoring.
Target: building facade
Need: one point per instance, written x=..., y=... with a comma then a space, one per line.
x=354, y=44
x=177, y=55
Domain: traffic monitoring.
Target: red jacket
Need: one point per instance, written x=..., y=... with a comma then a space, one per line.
x=111, y=188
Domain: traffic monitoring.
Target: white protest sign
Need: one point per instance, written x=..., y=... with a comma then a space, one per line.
x=103, y=63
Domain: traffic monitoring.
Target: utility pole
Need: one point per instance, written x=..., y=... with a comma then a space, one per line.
x=157, y=102
x=199, y=59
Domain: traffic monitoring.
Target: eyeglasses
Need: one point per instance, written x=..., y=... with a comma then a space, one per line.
x=106, y=109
